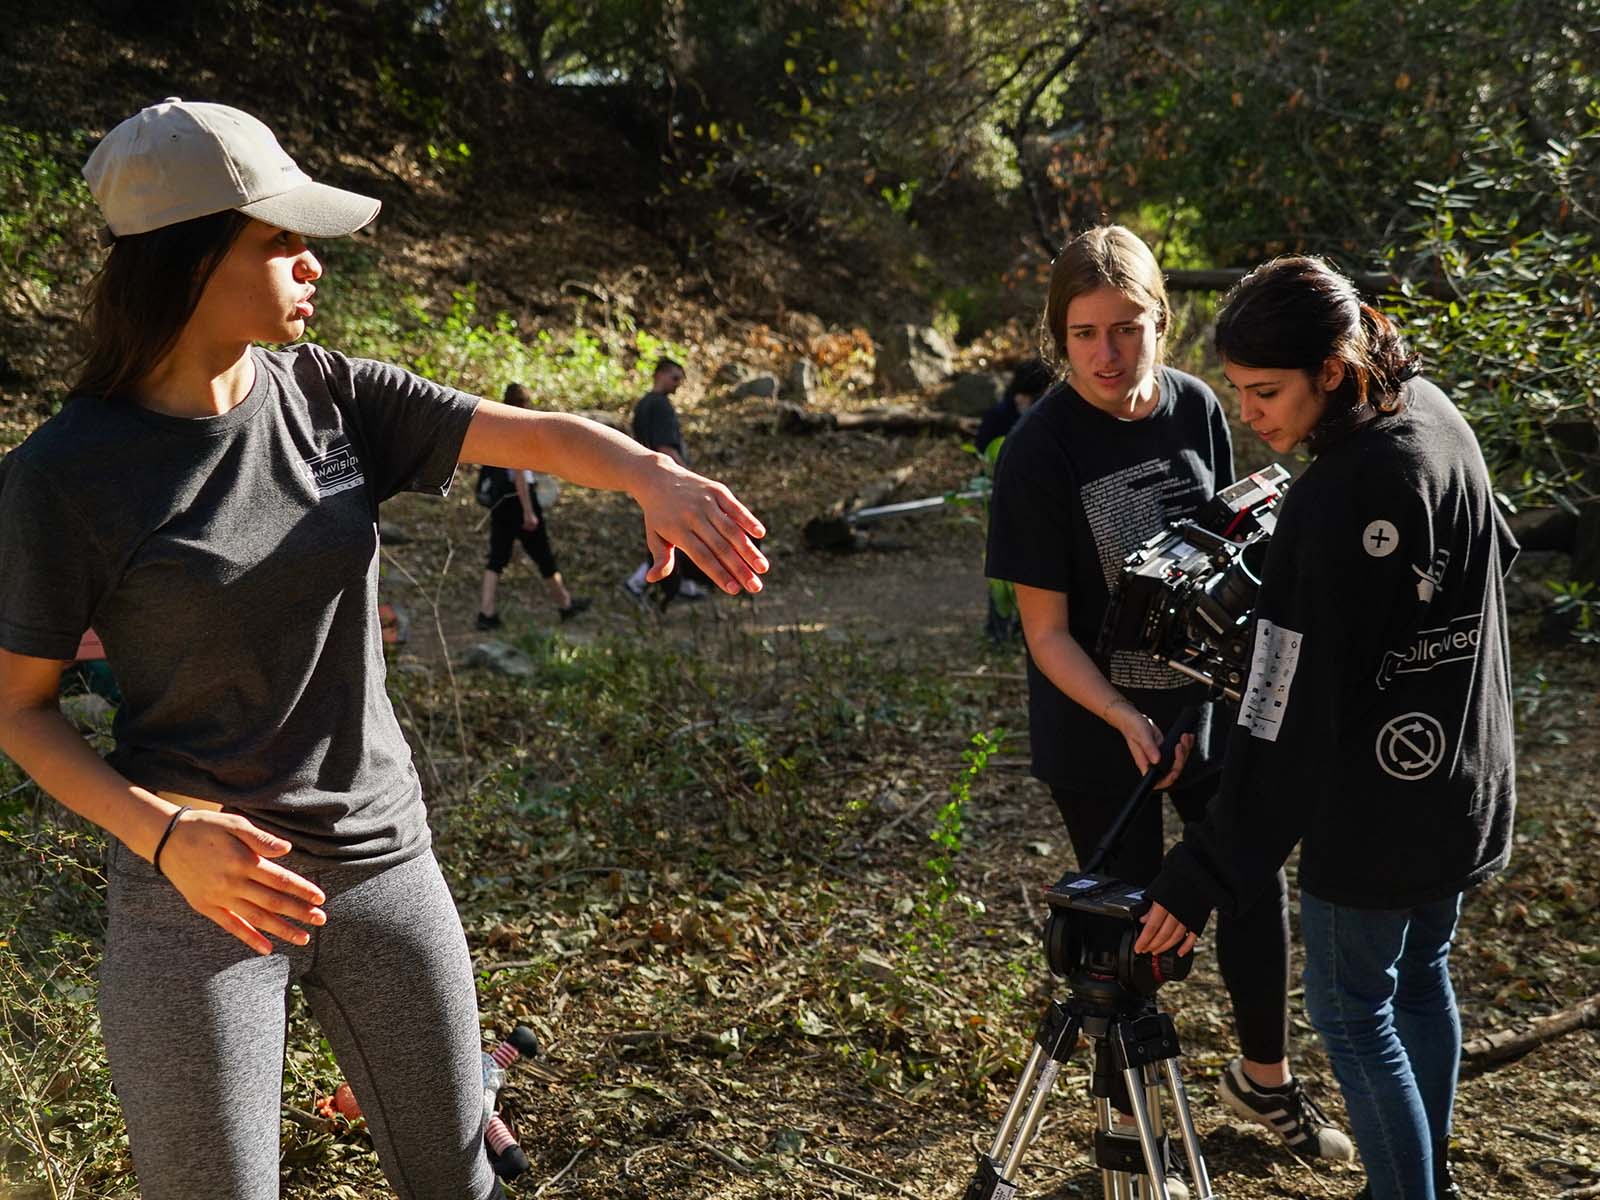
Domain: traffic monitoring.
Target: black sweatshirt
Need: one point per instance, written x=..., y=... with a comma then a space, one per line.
x=1376, y=728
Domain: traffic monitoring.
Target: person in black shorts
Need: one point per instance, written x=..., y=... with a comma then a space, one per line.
x=518, y=517
x=1112, y=454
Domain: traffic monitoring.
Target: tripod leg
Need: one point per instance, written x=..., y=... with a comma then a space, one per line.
x=1110, y=1181
x=1019, y=1099
x=1031, y=1118
x=1053, y=1045
x=1148, y=1042
x=1155, y=1167
x=1152, y=1099
x=1119, y=1154
x=1186, y=1131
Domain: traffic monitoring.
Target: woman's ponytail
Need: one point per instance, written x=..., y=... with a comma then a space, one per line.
x=1389, y=361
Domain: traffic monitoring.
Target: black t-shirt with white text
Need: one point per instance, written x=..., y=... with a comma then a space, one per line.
x=1076, y=490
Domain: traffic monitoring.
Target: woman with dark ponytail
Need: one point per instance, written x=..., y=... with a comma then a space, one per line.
x=1376, y=727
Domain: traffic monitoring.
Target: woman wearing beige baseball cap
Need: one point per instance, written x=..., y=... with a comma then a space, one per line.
x=210, y=506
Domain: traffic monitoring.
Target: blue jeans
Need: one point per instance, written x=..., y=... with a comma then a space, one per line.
x=1378, y=991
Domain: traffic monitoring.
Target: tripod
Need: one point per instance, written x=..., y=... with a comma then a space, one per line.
x=1140, y=1044
x=1089, y=939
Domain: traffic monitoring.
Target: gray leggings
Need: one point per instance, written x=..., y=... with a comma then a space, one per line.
x=194, y=1028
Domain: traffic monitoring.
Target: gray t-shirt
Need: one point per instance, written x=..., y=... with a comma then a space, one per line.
x=230, y=566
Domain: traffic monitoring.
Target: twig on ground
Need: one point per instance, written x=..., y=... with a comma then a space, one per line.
x=883, y=831
x=1535, y=1135
x=833, y=866
x=1483, y=1052
x=857, y=1176
x=641, y=1037
x=727, y=1160
x=571, y=1162
x=305, y=1120
x=510, y=964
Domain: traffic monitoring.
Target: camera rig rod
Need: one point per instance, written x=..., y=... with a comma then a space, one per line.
x=1187, y=720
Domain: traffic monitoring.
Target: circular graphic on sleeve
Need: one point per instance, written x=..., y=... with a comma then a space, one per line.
x=1380, y=539
x=1411, y=746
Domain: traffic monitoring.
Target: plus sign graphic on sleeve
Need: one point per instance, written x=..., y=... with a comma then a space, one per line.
x=1380, y=539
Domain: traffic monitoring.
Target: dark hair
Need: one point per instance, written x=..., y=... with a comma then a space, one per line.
x=145, y=293
x=667, y=364
x=1295, y=313
x=517, y=396
x=1032, y=377
x=1106, y=256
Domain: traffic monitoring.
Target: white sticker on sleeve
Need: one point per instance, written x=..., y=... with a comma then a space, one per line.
x=1272, y=666
x=1380, y=539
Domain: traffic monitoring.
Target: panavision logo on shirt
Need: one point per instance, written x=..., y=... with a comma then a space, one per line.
x=338, y=470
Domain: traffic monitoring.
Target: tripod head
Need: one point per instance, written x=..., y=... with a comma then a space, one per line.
x=1094, y=918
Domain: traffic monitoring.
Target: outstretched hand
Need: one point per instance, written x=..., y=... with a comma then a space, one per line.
x=701, y=517
x=219, y=864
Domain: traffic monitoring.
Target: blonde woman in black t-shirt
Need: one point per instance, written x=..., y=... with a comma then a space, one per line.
x=1119, y=449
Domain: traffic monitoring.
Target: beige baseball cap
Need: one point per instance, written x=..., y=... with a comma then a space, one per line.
x=178, y=160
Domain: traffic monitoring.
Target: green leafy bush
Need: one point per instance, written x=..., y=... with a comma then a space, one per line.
x=44, y=209
x=1512, y=235
x=589, y=367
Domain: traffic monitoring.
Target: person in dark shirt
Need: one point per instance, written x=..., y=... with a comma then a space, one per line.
x=655, y=425
x=1029, y=381
x=517, y=516
x=1376, y=728
x=211, y=506
x=1114, y=454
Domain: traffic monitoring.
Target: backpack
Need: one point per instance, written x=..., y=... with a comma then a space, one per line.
x=494, y=485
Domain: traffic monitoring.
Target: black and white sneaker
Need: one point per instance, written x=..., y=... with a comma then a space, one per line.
x=1288, y=1112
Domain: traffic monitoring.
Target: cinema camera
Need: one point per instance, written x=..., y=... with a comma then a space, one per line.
x=1185, y=596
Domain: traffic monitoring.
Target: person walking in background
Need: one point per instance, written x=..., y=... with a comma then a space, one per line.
x=212, y=505
x=517, y=516
x=655, y=425
x=1030, y=380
